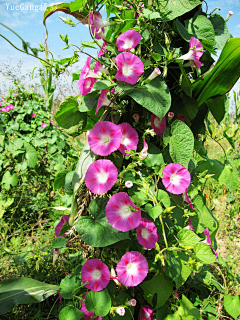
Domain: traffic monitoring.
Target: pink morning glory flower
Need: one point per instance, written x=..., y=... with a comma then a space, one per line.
x=130, y=67
x=146, y=313
x=103, y=100
x=176, y=295
x=187, y=199
x=190, y=226
x=181, y=118
x=209, y=242
x=120, y=311
x=103, y=50
x=128, y=40
x=96, y=273
x=97, y=24
x=144, y=153
x=87, y=78
x=98, y=69
x=122, y=213
x=33, y=115
x=51, y=121
x=170, y=115
x=195, y=53
x=157, y=125
x=88, y=315
x=1, y=99
x=132, y=269
x=147, y=234
x=129, y=138
x=104, y=138
x=43, y=125
x=60, y=225
x=176, y=178
x=101, y=176
x=15, y=94
x=237, y=144
x=156, y=72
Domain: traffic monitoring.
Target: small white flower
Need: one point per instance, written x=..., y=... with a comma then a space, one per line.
x=120, y=311
x=128, y=184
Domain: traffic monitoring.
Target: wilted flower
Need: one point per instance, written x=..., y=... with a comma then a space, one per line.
x=128, y=184
x=176, y=295
x=146, y=313
x=144, y=153
x=114, y=277
x=55, y=255
x=195, y=53
x=130, y=67
x=96, y=273
x=187, y=199
x=122, y=213
x=181, y=118
x=190, y=226
x=128, y=40
x=60, y=225
x=136, y=117
x=132, y=269
x=120, y=311
x=176, y=178
x=87, y=78
x=97, y=24
x=101, y=176
x=209, y=242
x=157, y=125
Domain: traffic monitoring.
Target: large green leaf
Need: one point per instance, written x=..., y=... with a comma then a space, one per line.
x=232, y=305
x=95, y=230
x=222, y=33
x=31, y=156
x=204, y=253
x=187, y=237
x=23, y=291
x=99, y=302
x=70, y=286
x=186, y=311
x=154, y=96
x=9, y=179
x=223, y=76
x=70, y=313
x=217, y=108
x=172, y=9
x=181, y=143
x=68, y=114
x=161, y=286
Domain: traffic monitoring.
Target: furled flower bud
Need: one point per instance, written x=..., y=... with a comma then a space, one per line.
x=156, y=72
x=128, y=184
x=230, y=13
x=143, y=154
x=176, y=295
x=131, y=303
x=170, y=115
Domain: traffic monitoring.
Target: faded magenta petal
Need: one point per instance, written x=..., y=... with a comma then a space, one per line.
x=195, y=53
x=144, y=153
x=181, y=118
x=130, y=67
x=104, y=138
x=86, y=82
x=103, y=100
x=96, y=273
x=128, y=40
x=208, y=241
x=120, y=214
x=101, y=176
x=43, y=125
x=147, y=234
x=129, y=138
x=157, y=125
x=97, y=24
x=132, y=269
x=103, y=50
x=187, y=199
x=60, y=225
x=176, y=178
x=146, y=313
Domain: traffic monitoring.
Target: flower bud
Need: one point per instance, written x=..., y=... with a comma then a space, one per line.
x=170, y=115
x=131, y=303
x=143, y=154
x=156, y=72
x=176, y=295
x=128, y=184
x=230, y=13
x=136, y=117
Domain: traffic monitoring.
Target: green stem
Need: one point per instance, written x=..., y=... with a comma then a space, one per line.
x=163, y=232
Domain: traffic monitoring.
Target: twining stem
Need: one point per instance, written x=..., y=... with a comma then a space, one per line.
x=163, y=232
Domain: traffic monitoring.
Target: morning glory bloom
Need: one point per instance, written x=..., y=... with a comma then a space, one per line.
x=120, y=311
x=87, y=78
x=146, y=313
x=128, y=184
x=103, y=100
x=187, y=199
x=101, y=176
x=15, y=94
x=43, y=125
x=176, y=178
x=103, y=50
x=97, y=24
x=209, y=242
x=159, y=126
x=147, y=234
x=194, y=54
x=130, y=67
x=132, y=269
x=96, y=273
x=128, y=40
x=129, y=138
x=104, y=138
x=60, y=225
x=33, y=115
x=98, y=69
x=122, y=213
